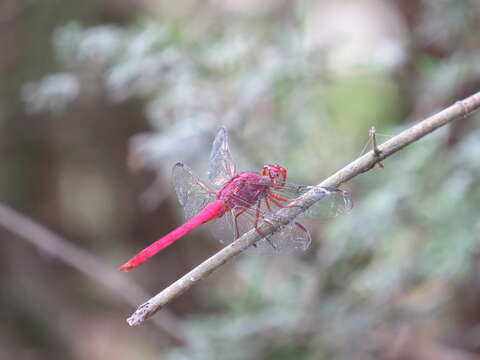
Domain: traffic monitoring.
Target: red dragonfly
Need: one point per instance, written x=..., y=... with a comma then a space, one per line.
x=237, y=202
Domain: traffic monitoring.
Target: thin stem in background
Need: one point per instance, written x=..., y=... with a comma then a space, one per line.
x=81, y=260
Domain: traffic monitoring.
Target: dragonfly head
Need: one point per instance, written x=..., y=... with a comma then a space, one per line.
x=276, y=173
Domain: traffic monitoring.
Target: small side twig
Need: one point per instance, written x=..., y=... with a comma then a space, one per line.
x=373, y=135
x=362, y=164
x=376, y=152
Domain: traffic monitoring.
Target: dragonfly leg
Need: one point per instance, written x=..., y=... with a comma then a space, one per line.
x=267, y=203
x=255, y=224
x=268, y=199
x=278, y=197
x=272, y=199
x=236, y=215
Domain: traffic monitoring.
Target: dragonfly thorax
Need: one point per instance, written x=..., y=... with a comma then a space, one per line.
x=244, y=189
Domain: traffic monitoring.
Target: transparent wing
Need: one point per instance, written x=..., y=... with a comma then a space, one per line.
x=289, y=238
x=222, y=228
x=325, y=202
x=192, y=193
x=221, y=165
x=230, y=227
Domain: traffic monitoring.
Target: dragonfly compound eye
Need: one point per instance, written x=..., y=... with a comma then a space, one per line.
x=276, y=173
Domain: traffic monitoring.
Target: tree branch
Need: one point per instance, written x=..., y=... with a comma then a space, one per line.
x=364, y=163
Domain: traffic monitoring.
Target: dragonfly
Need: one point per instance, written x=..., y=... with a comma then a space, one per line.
x=236, y=202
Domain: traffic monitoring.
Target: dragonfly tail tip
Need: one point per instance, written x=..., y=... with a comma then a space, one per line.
x=127, y=266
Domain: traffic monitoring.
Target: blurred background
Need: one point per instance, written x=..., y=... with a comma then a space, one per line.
x=98, y=100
